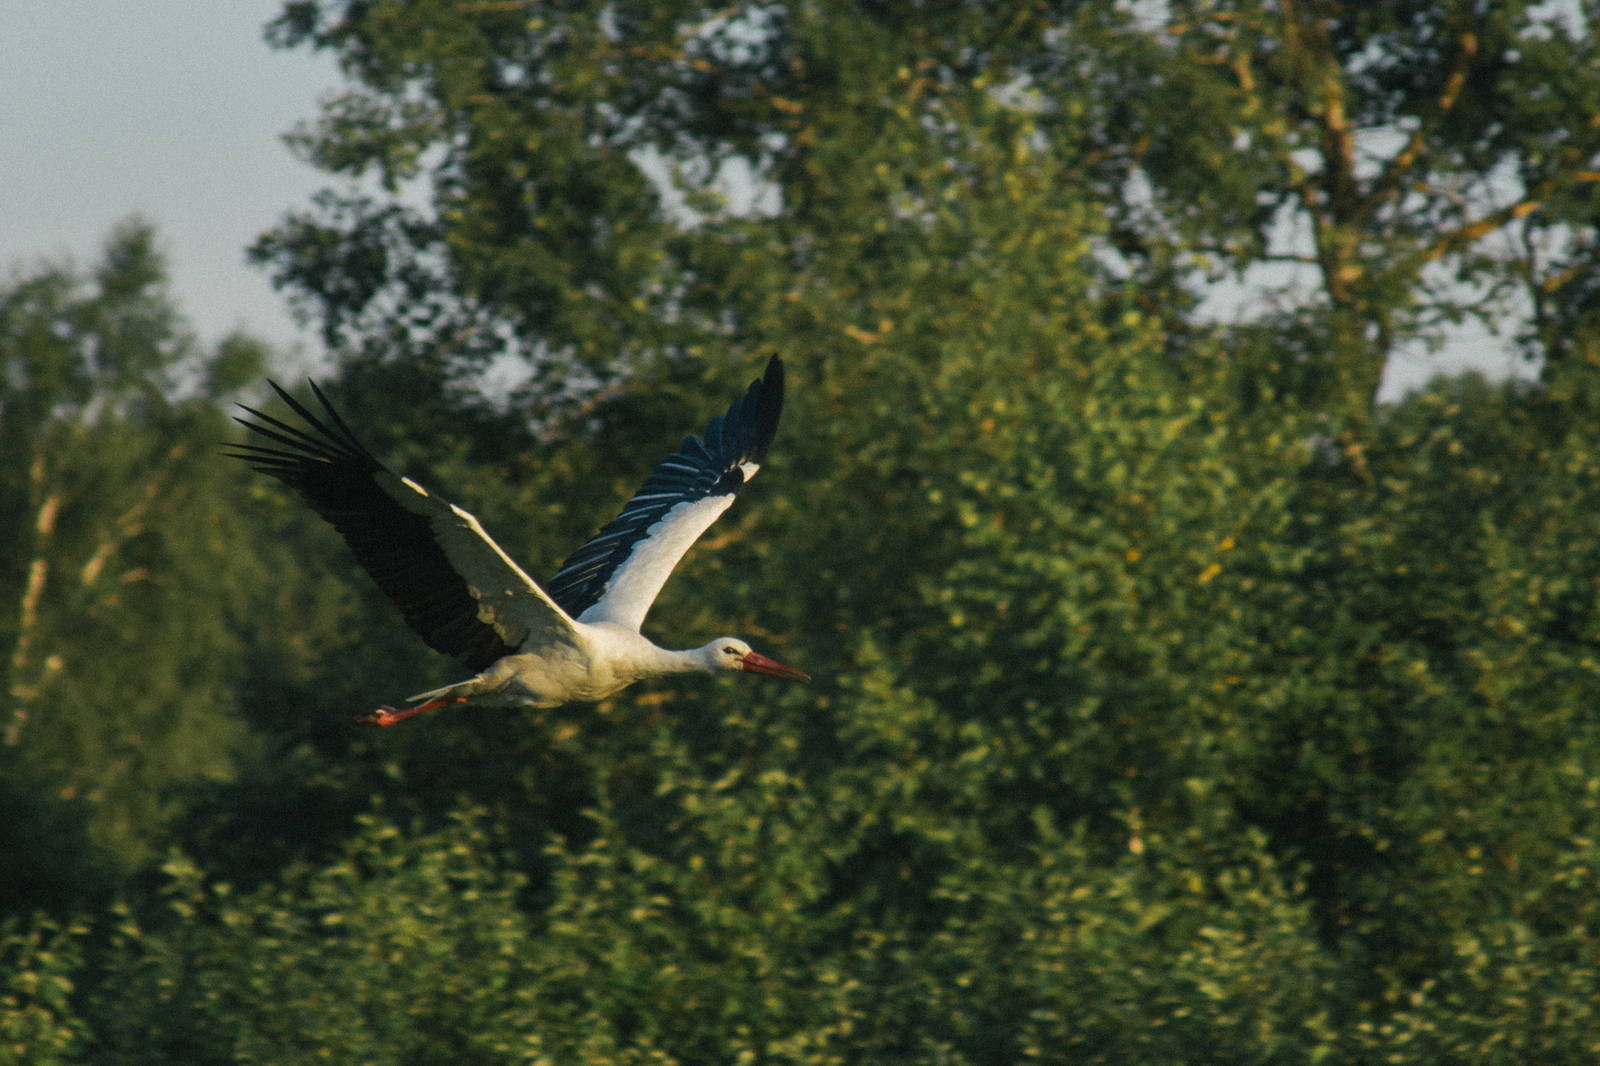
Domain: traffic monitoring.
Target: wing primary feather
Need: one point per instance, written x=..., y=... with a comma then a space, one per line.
x=400, y=548
x=351, y=444
x=349, y=435
x=763, y=427
x=283, y=433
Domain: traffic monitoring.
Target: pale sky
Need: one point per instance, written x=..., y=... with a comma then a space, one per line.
x=175, y=109
x=170, y=109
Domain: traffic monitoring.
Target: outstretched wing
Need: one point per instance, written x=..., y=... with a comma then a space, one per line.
x=453, y=584
x=615, y=576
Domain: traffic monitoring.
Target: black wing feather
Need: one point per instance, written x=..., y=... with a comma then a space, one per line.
x=709, y=465
x=334, y=473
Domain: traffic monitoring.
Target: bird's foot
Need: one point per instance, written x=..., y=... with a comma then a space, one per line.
x=382, y=716
x=387, y=715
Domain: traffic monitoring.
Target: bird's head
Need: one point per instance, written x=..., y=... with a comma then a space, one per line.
x=731, y=653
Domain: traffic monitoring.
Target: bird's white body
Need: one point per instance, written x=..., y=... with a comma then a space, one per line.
x=577, y=640
x=599, y=661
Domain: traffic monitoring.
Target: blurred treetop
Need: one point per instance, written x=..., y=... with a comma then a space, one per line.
x=1426, y=160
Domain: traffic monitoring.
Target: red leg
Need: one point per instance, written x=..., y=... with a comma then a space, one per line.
x=389, y=716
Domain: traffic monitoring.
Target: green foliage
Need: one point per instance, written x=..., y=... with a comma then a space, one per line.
x=1206, y=132
x=400, y=951
x=1432, y=157
x=122, y=565
x=38, y=1026
x=1172, y=704
x=1460, y=785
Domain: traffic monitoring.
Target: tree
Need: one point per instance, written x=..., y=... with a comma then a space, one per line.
x=942, y=323
x=37, y=1023
x=1382, y=147
x=1172, y=702
x=1421, y=160
x=334, y=961
x=122, y=566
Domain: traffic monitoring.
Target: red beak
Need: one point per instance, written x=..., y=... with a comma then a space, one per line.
x=760, y=664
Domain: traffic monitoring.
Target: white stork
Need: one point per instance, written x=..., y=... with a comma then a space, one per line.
x=577, y=640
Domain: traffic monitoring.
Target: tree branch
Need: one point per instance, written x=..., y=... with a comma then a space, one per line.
x=1388, y=183
x=44, y=525
x=1459, y=238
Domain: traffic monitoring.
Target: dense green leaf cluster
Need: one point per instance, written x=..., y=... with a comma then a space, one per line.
x=1173, y=704
x=119, y=570
x=37, y=1024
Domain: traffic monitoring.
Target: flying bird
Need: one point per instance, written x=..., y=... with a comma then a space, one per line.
x=577, y=639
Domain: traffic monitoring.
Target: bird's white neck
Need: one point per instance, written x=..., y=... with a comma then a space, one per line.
x=689, y=661
x=645, y=659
